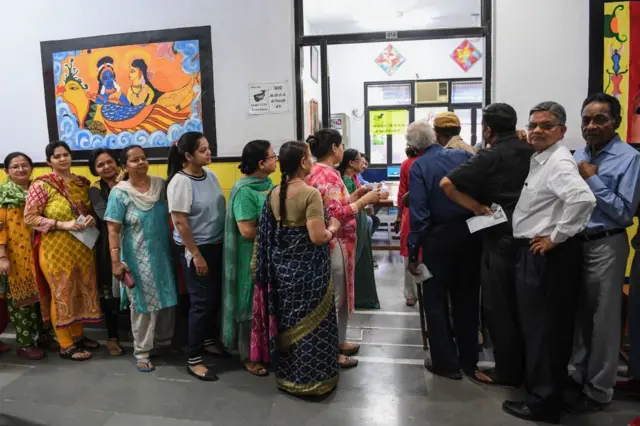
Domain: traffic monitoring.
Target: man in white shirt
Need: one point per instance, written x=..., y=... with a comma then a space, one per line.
x=555, y=205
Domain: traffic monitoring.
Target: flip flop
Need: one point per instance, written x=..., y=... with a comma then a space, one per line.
x=144, y=366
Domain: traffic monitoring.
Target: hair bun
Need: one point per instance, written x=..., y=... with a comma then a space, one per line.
x=312, y=140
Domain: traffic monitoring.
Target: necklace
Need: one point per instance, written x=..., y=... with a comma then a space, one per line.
x=294, y=181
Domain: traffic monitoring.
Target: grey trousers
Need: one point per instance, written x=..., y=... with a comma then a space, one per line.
x=410, y=286
x=149, y=329
x=598, y=317
x=340, y=291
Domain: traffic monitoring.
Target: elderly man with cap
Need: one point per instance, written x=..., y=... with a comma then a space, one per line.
x=496, y=175
x=554, y=207
x=447, y=127
x=449, y=252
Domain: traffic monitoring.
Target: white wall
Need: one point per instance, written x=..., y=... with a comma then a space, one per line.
x=252, y=42
x=351, y=65
x=542, y=53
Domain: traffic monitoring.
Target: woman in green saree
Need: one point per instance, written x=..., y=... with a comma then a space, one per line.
x=243, y=213
x=366, y=296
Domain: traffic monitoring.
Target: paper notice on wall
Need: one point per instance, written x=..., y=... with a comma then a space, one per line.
x=269, y=98
x=258, y=99
x=278, y=98
x=392, y=122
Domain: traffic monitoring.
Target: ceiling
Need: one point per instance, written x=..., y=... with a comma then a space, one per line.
x=353, y=16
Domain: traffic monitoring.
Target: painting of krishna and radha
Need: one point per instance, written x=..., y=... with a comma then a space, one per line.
x=113, y=97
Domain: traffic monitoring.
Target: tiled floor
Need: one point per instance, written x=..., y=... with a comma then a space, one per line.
x=390, y=387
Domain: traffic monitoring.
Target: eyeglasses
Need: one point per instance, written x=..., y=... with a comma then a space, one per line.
x=271, y=157
x=543, y=126
x=19, y=167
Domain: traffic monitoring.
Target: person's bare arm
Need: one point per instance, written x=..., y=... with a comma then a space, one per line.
x=462, y=199
x=321, y=234
x=118, y=268
x=248, y=228
x=181, y=222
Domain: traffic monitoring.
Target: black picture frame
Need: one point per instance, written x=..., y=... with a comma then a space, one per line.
x=315, y=63
x=202, y=34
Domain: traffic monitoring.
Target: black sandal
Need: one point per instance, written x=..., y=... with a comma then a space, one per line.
x=86, y=343
x=75, y=351
x=456, y=375
x=209, y=376
x=490, y=379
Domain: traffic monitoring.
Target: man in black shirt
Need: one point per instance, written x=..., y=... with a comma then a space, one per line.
x=497, y=175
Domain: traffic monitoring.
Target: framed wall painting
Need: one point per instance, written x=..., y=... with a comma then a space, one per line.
x=614, y=59
x=145, y=88
x=314, y=117
x=315, y=63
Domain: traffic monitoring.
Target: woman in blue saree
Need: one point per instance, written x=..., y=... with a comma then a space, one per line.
x=294, y=317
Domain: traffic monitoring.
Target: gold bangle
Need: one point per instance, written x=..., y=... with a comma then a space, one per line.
x=115, y=249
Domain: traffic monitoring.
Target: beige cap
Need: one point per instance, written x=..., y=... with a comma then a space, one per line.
x=446, y=119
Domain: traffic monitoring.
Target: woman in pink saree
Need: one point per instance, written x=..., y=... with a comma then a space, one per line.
x=326, y=146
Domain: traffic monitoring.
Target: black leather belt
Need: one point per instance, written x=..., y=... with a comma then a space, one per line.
x=603, y=234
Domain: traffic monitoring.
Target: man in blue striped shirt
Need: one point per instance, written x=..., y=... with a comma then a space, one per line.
x=611, y=168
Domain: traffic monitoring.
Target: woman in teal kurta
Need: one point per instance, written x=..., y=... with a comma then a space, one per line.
x=366, y=295
x=243, y=213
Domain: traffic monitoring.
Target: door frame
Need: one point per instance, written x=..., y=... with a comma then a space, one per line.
x=484, y=30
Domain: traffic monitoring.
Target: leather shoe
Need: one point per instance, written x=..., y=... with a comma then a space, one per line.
x=520, y=410
x=454, y=375
x=585, y=405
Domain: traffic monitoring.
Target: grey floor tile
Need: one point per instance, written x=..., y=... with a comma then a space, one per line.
x=225, y=404
x=22, y=413
x=134, y=393
x=10, y=373
x=136, y=420
x=68, y=383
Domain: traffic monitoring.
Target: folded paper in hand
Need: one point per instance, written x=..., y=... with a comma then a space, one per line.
x=478, y=223
x=87, y=236
x=423, y=274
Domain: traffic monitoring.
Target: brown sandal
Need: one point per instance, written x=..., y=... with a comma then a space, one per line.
x=351, y=349
x=256, y=369
x=348, y=363
x=114, y=348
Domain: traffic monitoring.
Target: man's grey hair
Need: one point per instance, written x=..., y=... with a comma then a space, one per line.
x=552, y=107
x=420, y=135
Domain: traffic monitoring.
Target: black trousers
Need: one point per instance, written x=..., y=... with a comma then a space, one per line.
x=111, y=310
x=500, y=306
x=546, y=287
x=452, y=255
x=204, y=299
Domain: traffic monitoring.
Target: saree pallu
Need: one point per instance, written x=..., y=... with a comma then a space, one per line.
x=366, y=294
x=294, y=317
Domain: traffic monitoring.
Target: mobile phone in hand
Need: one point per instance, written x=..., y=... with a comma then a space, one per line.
x=128, y=280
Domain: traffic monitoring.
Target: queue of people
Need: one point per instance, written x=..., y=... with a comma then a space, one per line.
x=550, y=275
x=272, y=274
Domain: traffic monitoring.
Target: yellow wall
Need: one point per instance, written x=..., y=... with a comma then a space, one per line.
x=227, y=173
